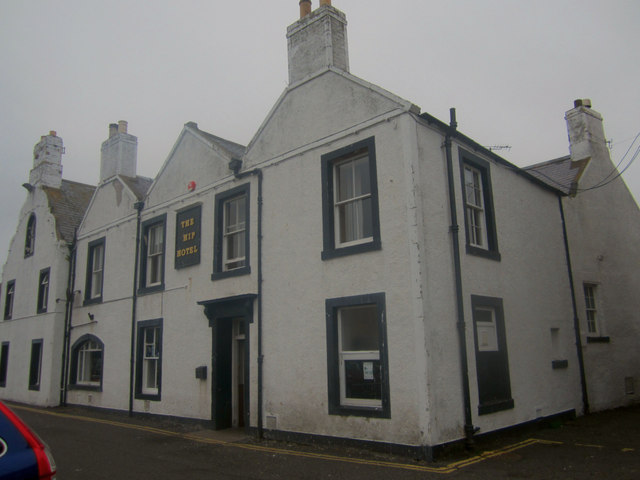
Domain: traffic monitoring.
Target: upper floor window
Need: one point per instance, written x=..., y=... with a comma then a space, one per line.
x=43, y=290
x=591, y=308
x=152, y=255
x=479, y=218
x=231, y=255
x=86, y=362
x=95, y=271
x=9, y=298
x=30, y=237
x=350, y=200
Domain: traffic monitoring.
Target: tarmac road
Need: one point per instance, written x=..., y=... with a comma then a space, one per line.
x=93, y=444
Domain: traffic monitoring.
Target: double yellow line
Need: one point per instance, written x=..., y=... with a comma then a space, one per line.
x=450, y=468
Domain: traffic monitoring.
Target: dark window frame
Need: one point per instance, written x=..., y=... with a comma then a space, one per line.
x=332, y=306
x=143, y=288
x=9, y=299
x=218, y=250
x=73, y=375
x=30, y=236
x=35, y=364
x=484, y=167
x=328, y=161
x=43, y=297
x=141, y=326
x=485, y=405
x=4, y=363
x=88, y=299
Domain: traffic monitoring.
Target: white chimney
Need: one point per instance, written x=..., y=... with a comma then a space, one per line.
x=119, y=153
x=586, y=132
x=47, y=161
x=317, y=41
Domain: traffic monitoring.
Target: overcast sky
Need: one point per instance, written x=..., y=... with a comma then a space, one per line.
x=511, y=69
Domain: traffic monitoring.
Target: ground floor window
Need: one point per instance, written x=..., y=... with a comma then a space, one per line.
x=358, y=382
x=86, y=362
x=149, y=359
x=4, y=363
x=35, y=365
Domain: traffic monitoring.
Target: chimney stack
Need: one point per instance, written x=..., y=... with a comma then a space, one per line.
x=586, y=133
x=119, y=153
x=317, y=41
x=47, y=161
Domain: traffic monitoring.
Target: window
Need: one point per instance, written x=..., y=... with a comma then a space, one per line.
x=152, y=255
x=43, y=290
x=4, y=363
x=86, y=363
x=231, y=256
x=95, y=272
x=479, y=218
x=591, y=308
x=30, y=237
x=350, y=200
x=149, y=364
x=9, y=299
x=358, y=382
x=492, y=359
x=36, y=363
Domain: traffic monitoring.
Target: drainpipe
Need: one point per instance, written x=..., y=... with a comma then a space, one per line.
x=576, y=321
x=71, y=280
x=469, y=429
x=235, y=165
x=134, y=301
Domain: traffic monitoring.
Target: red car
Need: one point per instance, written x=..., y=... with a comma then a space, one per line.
x=23, y=456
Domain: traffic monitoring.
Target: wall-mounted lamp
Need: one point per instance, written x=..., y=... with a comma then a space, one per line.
x=90, y=315
x=28, y=186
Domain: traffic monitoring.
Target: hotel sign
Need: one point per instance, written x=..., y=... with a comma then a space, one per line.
x=188, y=237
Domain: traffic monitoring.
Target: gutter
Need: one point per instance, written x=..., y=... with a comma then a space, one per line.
x=134, y=302
x=469, y=429
x=576, y=321
x=71, y=276
x=235, y=165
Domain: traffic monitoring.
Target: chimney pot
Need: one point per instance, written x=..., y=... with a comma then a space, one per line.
x=52, y=133
x=305, y=8
x=325, y=2
x=113, y=129
x=582, y=102
x=122, y=126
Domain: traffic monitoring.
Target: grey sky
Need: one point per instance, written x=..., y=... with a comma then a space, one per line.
x=511, y=69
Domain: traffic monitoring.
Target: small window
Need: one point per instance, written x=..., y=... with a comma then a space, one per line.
x=479, y=217
x=591, y=308
x=9, y=299
x=4, y=363
x=356, y=356
x=95, y=271
x=43, y=290
x=30, y=237
x=231, y=256
x=350, y=200
x=86, y=363
x=35, y=365
x=152, y=255
x=149, y=365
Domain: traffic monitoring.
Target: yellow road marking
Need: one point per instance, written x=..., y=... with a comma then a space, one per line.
x=588, y=445
x=450, y=468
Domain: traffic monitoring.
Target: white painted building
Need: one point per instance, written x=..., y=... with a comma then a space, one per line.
x=360, y=272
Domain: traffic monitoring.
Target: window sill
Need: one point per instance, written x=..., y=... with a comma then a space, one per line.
x=153, y=289
x=237, y=272
x=559, y=364
x=351, y=410
x=495, y=406
x=481, y=252
x=34, y=388
x=92, y=301
x=148, y=396
x=351, y=250
x=91, y=388
x=598, y=340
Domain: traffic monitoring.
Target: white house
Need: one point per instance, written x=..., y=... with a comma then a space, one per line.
x=360, y=272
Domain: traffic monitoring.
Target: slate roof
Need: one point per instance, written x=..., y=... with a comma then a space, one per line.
x=139, y=185
x=560, y=173
x=235, y=149
x=68, y=205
